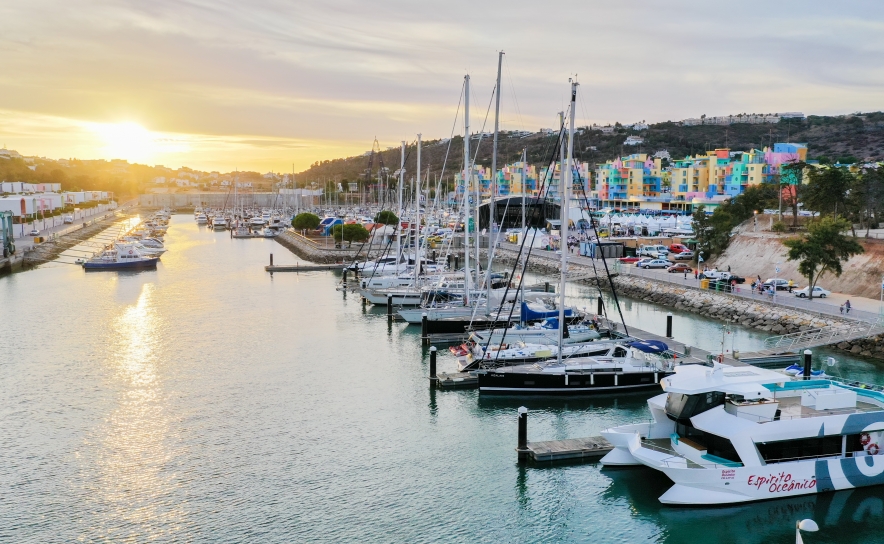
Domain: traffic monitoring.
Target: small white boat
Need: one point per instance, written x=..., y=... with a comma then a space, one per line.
x=219, y=223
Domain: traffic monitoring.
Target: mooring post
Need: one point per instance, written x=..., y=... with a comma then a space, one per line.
x=433, y=377
x=669, y=325
x=345, y=278
x=807, y=356
x=389, y=307
x=425, y=338
x=271, y=259
x=601, y=307
x=456, y=262
x=522, y=448
x=434, y=255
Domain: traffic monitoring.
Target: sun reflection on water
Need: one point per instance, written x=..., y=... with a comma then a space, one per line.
x=133, y=478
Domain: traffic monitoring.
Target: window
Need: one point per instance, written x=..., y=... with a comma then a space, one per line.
x=789, y=450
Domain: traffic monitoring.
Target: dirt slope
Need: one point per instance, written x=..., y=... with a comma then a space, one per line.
x=752, y=254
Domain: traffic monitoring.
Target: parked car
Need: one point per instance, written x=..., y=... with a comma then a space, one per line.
x=818, y=292
x=657, y=263
x=678, y=248
x=630, y=259
x=679, y=267
x=68, y=219
x=656, y=251
x=34, y=232
x=778, y=283
x=721, y=275
x=683, y=256
x=640, y=263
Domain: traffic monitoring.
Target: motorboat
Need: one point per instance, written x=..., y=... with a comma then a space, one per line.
x=270, y=233
x=617, y=367
x=202, y=219
x=219, y=223
x=256, y=222
x=121, y=256
x=738, y=434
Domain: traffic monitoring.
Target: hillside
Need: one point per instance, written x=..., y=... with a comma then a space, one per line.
x=752, y=254
x=829, y=139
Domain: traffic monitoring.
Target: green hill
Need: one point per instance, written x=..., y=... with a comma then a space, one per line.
x=848, y=138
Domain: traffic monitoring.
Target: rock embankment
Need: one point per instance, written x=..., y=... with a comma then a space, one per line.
x=309, y=250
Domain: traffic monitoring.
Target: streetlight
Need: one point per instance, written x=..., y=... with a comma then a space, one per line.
x=755, y=219
x=804, y=525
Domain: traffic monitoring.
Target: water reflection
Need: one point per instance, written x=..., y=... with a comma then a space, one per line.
x=131, y=475
x=844, y=516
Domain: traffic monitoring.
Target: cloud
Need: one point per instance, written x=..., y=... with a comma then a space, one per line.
x=345, y=71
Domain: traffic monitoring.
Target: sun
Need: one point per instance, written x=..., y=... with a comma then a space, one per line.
x=126, y=140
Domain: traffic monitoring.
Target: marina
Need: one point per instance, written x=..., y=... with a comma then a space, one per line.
x=170, y=351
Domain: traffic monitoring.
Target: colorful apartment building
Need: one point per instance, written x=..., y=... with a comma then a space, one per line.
x=521, y=178
x=630, y=177
x=637, y=181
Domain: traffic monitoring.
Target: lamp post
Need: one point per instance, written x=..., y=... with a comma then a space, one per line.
x=755, y=221
x=804, y=525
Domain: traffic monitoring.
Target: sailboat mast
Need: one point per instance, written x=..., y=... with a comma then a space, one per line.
x=492, y=209
x=467, y=173
x=399, y=215
x=565, y=180
x=417, y=214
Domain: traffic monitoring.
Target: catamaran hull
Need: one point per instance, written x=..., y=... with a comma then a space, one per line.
x=728, y=483
x=536, y=383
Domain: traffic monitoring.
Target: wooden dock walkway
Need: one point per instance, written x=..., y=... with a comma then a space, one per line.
x=591, y=448
x=304, y=267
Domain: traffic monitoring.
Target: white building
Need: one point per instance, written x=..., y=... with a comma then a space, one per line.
x=633, y=140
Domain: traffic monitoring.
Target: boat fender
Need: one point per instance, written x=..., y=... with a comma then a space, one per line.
x=864, y=439
x=873, y=449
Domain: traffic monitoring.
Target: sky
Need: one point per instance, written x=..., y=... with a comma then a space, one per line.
x=274, y=85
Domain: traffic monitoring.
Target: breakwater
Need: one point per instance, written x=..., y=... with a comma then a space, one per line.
x=312, y=251
x=754, y=313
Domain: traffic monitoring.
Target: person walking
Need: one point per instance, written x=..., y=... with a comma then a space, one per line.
x=696, y=273
x=847, y=307
x=841, y=308
x=791, y=284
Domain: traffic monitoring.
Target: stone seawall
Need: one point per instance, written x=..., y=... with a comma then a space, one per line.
x=756, y=314
x=309, y=250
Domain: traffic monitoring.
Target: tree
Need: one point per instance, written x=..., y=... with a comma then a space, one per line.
x=349, y=233
x=866, y=197
x=822, y=249
x=792, y=176
x=386, y=217
x=305, y=221
x=826, y=190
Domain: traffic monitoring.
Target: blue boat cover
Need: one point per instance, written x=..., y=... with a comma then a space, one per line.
x=649, y=346
x=533, y=315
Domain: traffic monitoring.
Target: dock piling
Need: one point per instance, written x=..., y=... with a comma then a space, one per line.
x=425, y=337
x=433, y=378
x=601, y=307
x=522, y=448
x=345, y=278
x=546, y=287
x=389, y=307
x=456, y=262
x=271, y=259
x=669, y=325
x=807, y=356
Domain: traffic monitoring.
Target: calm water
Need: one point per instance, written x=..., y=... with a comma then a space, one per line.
x=208, y=401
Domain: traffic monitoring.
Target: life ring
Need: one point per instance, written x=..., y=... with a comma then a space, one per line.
x=873, y=449
x=864, y=439
x=130, y=252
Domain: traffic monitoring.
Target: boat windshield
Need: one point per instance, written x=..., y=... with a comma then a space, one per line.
x=681, y=406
